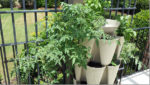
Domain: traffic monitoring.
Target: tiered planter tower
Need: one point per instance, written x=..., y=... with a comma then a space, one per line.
x=99, y=69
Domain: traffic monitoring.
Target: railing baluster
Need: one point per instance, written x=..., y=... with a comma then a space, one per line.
x=36, y=30
x=123, y=7
x=111, y=10
x=129, y=6
x=14, y=34
x=26, y=36
x=46, y=17
x=133, y=11
x=117, y=7
x=4, y=50
x=55, y=5
x=15, y=65
x=35, y=14
x=3, y=66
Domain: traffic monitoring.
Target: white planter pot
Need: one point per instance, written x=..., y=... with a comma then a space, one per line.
x=83, y=75
x=74, y=1
x=104, y=77
x=119, y=47
x=94, y=75
x=78, y=71
x=95, y=53
x=107, y=49
x=112, y=73
x=74, y=81
x=111, y=26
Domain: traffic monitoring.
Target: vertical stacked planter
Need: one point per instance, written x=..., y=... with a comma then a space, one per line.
x=99, y=69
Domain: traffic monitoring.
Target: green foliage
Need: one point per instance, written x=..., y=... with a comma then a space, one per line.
x=141, y=20
x=114, y=61
x=81, y=22
x=74, y=25
x=106, y=36
x=66, y=34
x=142, y=5
x=50, y=3
x=49, y=59
x=130, y=53
x=6, y=3
x=125, y=28
x=98, y=5
x=28, y=3
x=121, y=3
x=40, y=3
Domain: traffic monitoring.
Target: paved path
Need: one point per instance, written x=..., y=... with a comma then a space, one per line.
x=142, y=77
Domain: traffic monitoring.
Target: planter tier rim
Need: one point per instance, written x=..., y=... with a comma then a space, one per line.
x=96, y=67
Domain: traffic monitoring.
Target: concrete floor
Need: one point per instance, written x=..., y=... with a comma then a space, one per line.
x=142, y=77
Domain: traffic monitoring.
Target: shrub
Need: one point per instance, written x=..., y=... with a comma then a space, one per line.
x=121, y=2
x=141, y=20
x=50, y=3
x=98, y=5
x=130, y=58
x=66, y=31
x=142, y=5
x=6, y=3
x=128, y=54
x=28, y=3
x=40, y=3
x=125, y=29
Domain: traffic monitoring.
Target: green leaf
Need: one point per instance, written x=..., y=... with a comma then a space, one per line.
x=73, y=61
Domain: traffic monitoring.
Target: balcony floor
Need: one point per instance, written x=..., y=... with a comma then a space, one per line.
x=142, y=77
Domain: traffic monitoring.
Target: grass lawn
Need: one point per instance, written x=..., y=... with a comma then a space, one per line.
x=20, y=32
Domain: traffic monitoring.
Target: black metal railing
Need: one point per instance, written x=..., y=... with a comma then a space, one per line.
x=115, y=7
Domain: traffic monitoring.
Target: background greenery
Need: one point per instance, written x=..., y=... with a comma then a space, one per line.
x=140, y=4
x=140, y=20
x=40, y=3
x=6, y=3
x=29, y=3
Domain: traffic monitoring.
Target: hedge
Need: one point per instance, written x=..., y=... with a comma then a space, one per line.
x=141, y=20
x=6, y=3
x=40, y=3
